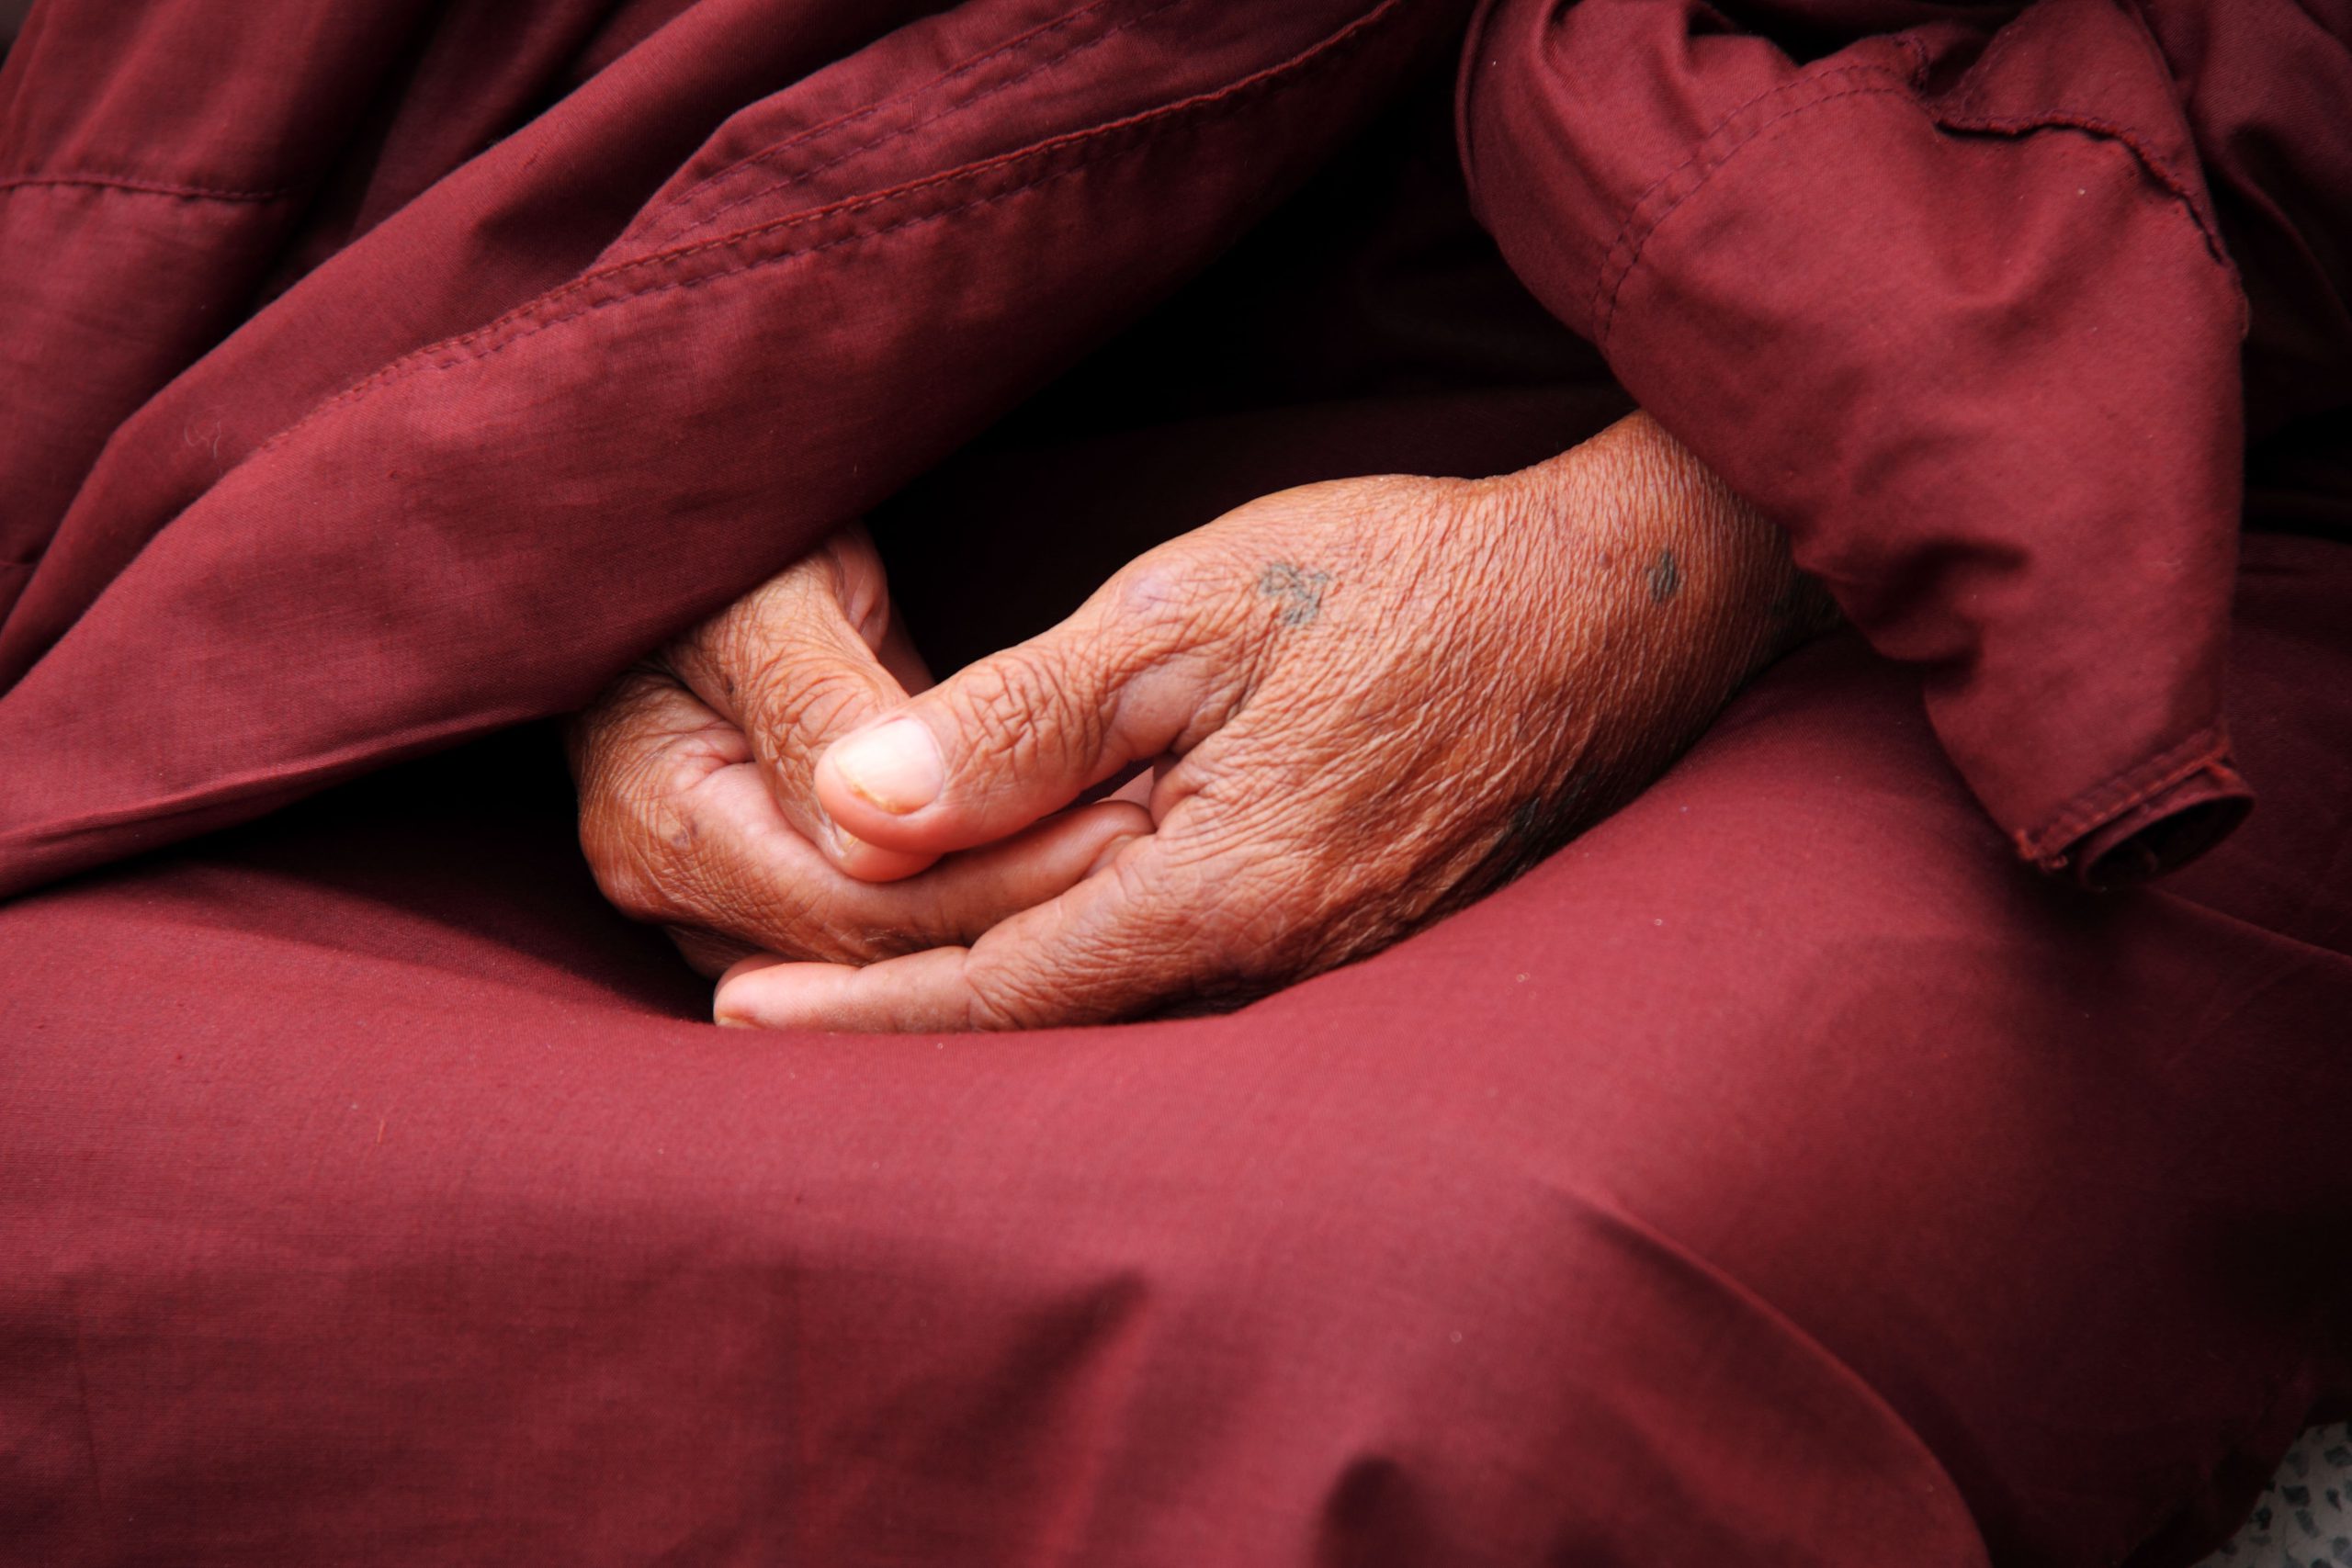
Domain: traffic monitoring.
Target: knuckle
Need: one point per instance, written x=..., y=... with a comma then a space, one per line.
x=999, y=1000
x=800, y=710
x=615, y=722
x=1265, y=924
x=1176, y=602
x=736, y=645
x=1175, y=590
x=751, y=632
x=638, y=836
x=630, y=885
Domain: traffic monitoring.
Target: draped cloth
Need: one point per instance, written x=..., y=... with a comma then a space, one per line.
x=1790, y=1169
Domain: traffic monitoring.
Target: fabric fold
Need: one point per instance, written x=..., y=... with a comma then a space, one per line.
x=1951, y=304
x=546, y=457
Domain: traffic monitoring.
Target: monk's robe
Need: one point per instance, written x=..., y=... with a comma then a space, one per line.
x=1911, y=1132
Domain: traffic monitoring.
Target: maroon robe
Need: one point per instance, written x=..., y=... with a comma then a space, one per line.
x=1784, y=1172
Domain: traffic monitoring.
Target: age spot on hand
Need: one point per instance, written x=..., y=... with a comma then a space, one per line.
x=1299, y=587
x=1666, y=577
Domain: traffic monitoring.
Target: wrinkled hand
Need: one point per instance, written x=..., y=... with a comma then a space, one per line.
x=696, y=807
x=1368, y=702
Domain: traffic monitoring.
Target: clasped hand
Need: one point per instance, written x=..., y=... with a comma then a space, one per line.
x=1357, y=705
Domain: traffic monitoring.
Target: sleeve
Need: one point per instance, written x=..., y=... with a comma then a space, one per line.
x=1940, y=288
x=746, y=277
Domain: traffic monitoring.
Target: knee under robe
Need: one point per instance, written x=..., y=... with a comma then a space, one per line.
x=1793, y=1169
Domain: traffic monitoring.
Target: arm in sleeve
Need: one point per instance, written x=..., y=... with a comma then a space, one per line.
x=1940, y=288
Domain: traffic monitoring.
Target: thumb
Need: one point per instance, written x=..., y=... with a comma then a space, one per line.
x=1022, y=733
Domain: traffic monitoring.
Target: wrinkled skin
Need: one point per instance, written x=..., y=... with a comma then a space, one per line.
x=1362, y=703
x=696, y=811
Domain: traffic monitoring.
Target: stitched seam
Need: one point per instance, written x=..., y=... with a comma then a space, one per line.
x=1601, y=282
x=2132, y=786
x=2154, y=52
x=2125, y=788
x=141, y=188
x=1273, y=78
x=429, y=352
x=2157, y=168
x=756, y=263
x=1969, y=107
x=2024, y=128
x=1278, y=75
x=769, y=155
x=954, y=107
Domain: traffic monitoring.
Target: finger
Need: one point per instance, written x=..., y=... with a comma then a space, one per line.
x=1119, y=944
x=1144, y=668
x=644, y=711
x=755, y=961
x=636, y=755
x=730, y=865
x=804, y=658
x=681, y=830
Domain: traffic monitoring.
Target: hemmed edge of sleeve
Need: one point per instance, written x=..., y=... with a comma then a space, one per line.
x=2137, y=831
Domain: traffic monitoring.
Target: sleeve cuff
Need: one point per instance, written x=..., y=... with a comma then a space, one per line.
x=2157, y=832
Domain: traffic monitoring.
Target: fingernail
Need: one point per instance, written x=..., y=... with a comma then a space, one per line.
x=895, y=765
x=726, y=1008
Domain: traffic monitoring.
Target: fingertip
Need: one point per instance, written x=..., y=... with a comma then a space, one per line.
x=893, y=767
x=853, y=856
x=781, y=995
x=735, y=1003
x=724, y=1008
x=849, y=805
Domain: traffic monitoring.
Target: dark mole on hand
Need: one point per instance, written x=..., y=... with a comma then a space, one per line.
x=1666, y=577
x=1300, y=588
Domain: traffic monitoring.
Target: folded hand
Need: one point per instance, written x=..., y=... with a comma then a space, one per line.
x=697, y=811
x=1366, y=702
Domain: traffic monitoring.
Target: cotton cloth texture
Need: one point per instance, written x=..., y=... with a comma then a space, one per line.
x=1801, y=1166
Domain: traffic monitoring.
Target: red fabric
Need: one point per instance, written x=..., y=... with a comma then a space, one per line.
x=1774, y=1177
x=1780, y=1174
x=431, y=463
x=1954, y=301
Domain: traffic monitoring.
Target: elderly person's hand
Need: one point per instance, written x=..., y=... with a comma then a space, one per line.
x=1367, y=701
x=696, y=811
